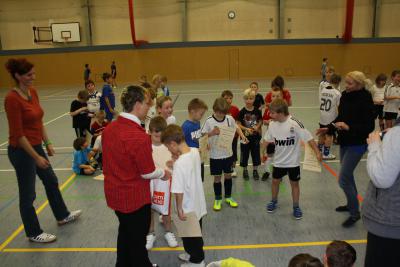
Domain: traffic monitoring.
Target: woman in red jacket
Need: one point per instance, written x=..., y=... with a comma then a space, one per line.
x=26, y=154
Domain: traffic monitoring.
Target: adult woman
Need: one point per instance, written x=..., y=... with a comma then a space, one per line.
x=381, y=207
x=128, y=167
x=25, y=151
x=354, y=122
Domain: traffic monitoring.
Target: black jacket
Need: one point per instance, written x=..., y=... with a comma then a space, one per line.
x=356, y=109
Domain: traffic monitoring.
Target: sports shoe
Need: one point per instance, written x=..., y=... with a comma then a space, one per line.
x=43, y=238
x=184, y=257
x=255, y=175
x=297, y=213
x=342, y=208
x=246, y=174
x=150, y=239
x=217, y=204
x=231, y=202
x=329, y=157
x=351, y=221
x=234, y=174
x=171, y=239
x=272, y=206
x=190, y=264
x=73, y=215
x=265, y=176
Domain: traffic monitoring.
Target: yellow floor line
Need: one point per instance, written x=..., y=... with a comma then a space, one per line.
x=39, y=210
x=226, y=247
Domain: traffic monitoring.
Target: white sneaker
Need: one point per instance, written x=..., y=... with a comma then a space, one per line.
x=150, y=239
x=171, y=240
x=234, y=174
x=73, y=215
x=184, y=257
x=43, y=238
x=160, y=219
x=190, y=264
x=329, y=157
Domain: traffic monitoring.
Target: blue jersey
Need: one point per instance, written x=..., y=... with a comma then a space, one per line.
x=107, y=92
x=192, y=133
x=80, y=157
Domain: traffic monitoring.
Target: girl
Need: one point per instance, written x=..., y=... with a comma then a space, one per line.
x=165, y=109
x=378, y=95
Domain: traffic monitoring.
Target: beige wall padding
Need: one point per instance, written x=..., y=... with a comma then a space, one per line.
x=203, y=63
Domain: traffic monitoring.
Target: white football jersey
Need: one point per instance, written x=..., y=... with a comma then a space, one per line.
x=329, y=99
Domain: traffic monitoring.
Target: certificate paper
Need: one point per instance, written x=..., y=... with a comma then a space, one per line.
x=311, y=162
x=203, y=143
x=188, y=228
x=225, y=137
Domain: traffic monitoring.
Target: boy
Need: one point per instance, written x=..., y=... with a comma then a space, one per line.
x=340, y=254
x=234, y=112
x=165, y=108
x=250, y=121
x=113, y=74
x=107, y=100
x=187, y=189
x=285, y=132
x=392, y=99
x=323, y=68
x=161, y=157
x=86, y=73
x=81, y=164
x=329, y=103
x=259, y=102
x=191, y=127
x=79, y=114
x=220, y=159
x=164, y=86
x=98, y=125
x=329, y=71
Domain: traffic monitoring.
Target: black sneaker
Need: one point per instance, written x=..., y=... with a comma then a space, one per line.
x=265, y=176
x=255, y=175
x=350, y=221
x=246, y=174
x=342, y=209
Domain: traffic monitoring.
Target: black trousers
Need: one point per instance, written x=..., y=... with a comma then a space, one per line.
x=26, y=170
x=194, y=247
x=382, y=251
x=252, y=147
x=131, y=243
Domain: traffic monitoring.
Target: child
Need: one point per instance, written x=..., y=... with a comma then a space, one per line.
x=329, y=103
x=329, y=71
x=152, y=110
x=113, y=74
x=323, y=68
x=81, y=164
x=259, y=100
x=79, y=114
x=165, y=109
x=156, y=84
x=86, y=73
x=187, y=189
x=392, y=99
x=220, y=159
x=164, y=86
x=286, y=132
x=93, y=103
x=107, y=101
x=279, y=82
x=161, y=156
x=276, y=93
x=306, y=260
x=340, y=254
x=191, y=127
x=98, y=125
x=250, y=121
x=234, y=112
x=378, y=94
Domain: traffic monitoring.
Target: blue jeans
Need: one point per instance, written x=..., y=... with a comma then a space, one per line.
x=26, y=170
x=350, y=156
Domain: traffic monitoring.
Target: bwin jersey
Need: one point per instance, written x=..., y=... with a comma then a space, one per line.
x=328, y=104
x=286, y=136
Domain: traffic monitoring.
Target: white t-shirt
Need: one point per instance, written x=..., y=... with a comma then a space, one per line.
x=394, y=104
x=171, y=120
x=286, y=136
x=186, y=179
x=150, y=114
x=210, y=123
x=161, y=155
x=328, y=104
x=378, y=93
x=93, y=103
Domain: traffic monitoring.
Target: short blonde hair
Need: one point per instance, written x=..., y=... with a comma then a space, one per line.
x=360, y=78
x=248, y=93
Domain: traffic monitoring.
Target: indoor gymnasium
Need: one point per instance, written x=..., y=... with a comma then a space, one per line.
x=199, y=133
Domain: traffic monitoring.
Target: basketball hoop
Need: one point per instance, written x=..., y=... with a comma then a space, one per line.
x=65, y=38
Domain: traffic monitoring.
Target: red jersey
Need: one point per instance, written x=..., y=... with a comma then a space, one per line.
x=234, y=112
x=24, y=118
x=286, y=96
x=98, y=128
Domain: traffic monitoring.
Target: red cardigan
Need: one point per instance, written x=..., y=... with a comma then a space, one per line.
x=127, y=154
x=24, y=118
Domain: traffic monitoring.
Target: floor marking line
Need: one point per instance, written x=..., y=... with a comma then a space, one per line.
x=222, y=247
x=54, y=169
x=38, y=211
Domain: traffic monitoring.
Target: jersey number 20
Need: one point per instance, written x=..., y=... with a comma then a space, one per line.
x=326, y=104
